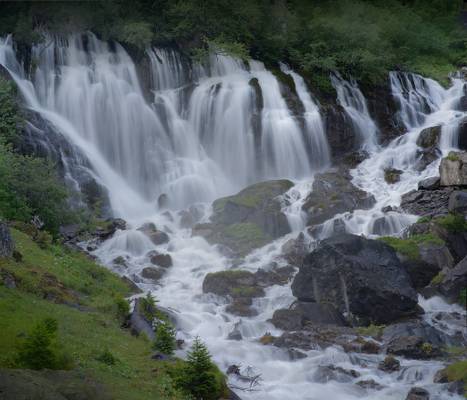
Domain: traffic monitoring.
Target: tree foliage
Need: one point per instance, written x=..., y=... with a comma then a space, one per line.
x=164, y=341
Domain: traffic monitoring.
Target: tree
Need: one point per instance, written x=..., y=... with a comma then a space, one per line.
x=164, y=341
x=200, y=374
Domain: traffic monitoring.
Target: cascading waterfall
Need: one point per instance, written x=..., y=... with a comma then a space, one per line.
x=204, y=136
x=314, y=127
x=352, y=100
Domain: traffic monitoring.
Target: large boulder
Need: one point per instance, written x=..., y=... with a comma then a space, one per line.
x=458, y=202
x=333, y=193
x=6, y=242
x=249, y=219
x=453, y=169
x=454, y=281
x=413, y=347
x=426, y=202
x=304, y=313
x=429, y=137
x=418, y=393
x=360, y=277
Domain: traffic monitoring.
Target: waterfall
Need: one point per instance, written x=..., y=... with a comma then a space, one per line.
x=210, y=130
x=354, y=103
x=417, y=97
x=315, y=135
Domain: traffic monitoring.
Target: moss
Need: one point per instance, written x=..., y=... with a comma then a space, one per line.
x=452, y=156
x=453, y=223
x=255, y=195
x=244, y=291
x=457, y=372
x=424, y=220
x=437, y=279
x=410, y=247
x=371, y=330
x=246, y=235
x=266, y=339
x=427, y=348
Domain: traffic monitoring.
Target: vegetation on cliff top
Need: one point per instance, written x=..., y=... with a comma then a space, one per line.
x=361, y=38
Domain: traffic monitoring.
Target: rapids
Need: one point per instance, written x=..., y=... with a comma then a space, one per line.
x=208, y=131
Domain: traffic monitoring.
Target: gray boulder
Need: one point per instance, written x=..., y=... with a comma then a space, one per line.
x=418, y=393
x=249, y=219
x=429, y=137
x=429, y=183
x=426, y=202
x=414, y=328
x=454, y=280
x=453, y=169
x=303, y=313
x=458, y=202
x=360, y=277
x=161, y=260
x=156, y=236
x=151, y=273
x=413, y=347
x=7, y=245
x=333, y=193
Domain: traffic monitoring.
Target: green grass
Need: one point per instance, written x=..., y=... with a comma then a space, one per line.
x=84, y=335
x=371, y=330
x=410, y=247
x=452, y=156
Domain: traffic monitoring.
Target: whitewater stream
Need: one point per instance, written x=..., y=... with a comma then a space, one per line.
x=203, y=132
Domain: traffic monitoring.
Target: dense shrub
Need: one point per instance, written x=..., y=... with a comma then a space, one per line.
x=40, y=349
x=164, y=341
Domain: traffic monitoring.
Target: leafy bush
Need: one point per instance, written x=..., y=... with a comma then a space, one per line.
x=9, y=116
x=137, y=34
x=39, y=349
x=107, y=357
x=164, y=341
x=123, y=308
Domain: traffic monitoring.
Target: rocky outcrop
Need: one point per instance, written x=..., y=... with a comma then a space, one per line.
x=426, y=203
x=362, y=278
x=249, y=219
x=341, y=136
x=156, y=236
x=453, y=282
x=453, y=169
x=392, y=175
x=413, y=347
x=6, y=241
x=334, y=193
x=300, y=314
x=429, y=137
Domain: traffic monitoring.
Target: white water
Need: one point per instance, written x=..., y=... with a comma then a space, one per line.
x=354, y=103
x=198, y=146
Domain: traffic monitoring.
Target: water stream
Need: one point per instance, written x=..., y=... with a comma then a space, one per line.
x=211, y=130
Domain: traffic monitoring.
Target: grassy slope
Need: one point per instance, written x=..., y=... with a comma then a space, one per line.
x=83, y=334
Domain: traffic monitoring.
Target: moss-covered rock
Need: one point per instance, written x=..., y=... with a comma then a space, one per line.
x=249, y=219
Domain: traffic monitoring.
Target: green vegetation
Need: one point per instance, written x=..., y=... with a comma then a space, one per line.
x=361, y=38
x=437, y=279
x=86, y=301
x=457, y=372
x=371, y=330
x=454, y=223
x=199, y=377
x=452, y=156
x=29, y=186
x=164, y=341
x=424, y=220
x=246, y=236
x=410, y=247
x=40, y=349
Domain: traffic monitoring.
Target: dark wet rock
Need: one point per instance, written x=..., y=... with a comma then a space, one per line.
x=295, y=354
x=151, y=273
x=426, y=156
x=417, y=393
x=120, y=261
x=458, y=202
x=132, y=287
x=274, y=276
x=242, y=306
x=392, y=175
x=413, y=347
x=235, y=334
x=358, y=276
x=189, y=217
x=429, y=137
x=233, y=395
x=462, y=133
x=233, y=370
x=249, y=219
x=389, y=364
x=300, y=314
x=453, y=169
x=162, y=201
x=161, y=260
x=338, y=127
x=414, y=328
x=294, y=250
x=315, y=337
x=235, y=283
x=360, y=345
x=334, y=193
x=426, y=202
x=326, y=373
x=138, y=321
x=370, y=384
x=356, y=157
x=7, y=245
x=429, y=183
x=22, y=384
x=453, y=281
x=156, y=236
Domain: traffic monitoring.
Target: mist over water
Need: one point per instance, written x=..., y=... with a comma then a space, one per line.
x=210, y=130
